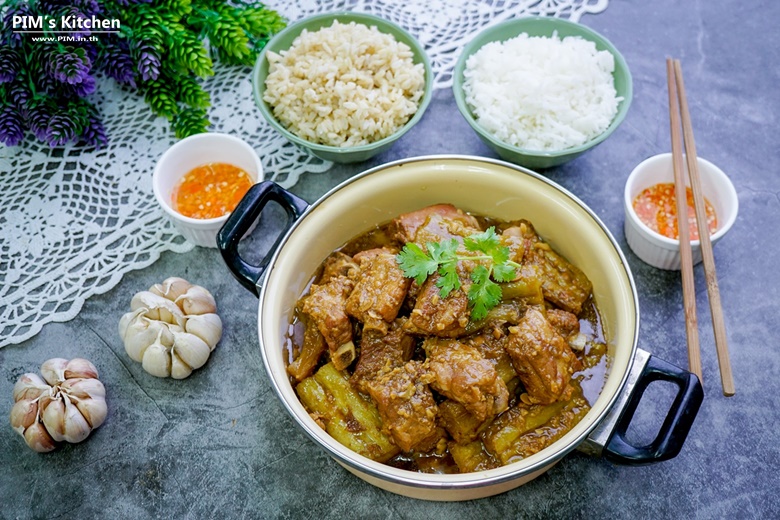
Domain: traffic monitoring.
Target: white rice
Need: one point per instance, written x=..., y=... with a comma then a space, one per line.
x=541, y=93
x=344, y=85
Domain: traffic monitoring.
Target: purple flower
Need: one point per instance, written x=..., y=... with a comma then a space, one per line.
x=92, y=51
x=9, y=64
x=18, y=93
x=128, y=2
x=37, y=119
x=89, y=7
x=60, y=130
x=148, y=62
x=118, y=63
x=11, y=126
x=95, y=133
x=73, y=13
x=68, y=67
x=86, y=87
x=52, y=6
x=7, y=35
x=43, y=82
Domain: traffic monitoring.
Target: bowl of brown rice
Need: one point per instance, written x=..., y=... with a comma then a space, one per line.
x=343, y=86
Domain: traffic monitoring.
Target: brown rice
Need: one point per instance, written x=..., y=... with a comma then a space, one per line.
x=344, y=85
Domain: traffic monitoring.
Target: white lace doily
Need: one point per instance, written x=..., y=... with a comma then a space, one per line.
x=73, y=221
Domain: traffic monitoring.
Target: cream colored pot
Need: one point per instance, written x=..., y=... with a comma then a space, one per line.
x=486, y=187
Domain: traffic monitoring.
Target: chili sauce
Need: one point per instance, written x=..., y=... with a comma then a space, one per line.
x=210, y=190
x=656, y=207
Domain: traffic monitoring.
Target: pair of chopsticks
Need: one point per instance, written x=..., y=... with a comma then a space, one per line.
x=678, y=109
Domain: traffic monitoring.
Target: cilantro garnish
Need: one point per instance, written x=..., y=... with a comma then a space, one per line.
x=443, y=257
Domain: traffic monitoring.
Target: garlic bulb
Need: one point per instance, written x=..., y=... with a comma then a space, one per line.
x=65, y=405
x=172, y=328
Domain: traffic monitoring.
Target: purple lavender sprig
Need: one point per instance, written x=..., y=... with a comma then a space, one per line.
x=37, y=115
x=69, y=67
x=11, y=126
x=88, y=7
x=86, y=87
x=18, y=93
x=10, y=64
x=147, y=61
x=118, y=63
x=74, y=13
x=95, y=133
x=60, y=130
x=7, y=35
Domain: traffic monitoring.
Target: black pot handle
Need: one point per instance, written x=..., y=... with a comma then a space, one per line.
x=678, y=420
x=241, y=220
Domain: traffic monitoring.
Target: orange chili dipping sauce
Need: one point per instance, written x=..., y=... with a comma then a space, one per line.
x=656, y=206
x=210, y=190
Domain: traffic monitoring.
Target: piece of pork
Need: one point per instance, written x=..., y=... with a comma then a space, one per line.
x=338, y=264
x=442, y=317
x=433, y=224
x=312, y=348
x=563, y=284
x=407, y=407
x=460, y=372
x=326, y=306
x=380, y=289
x=381, y=353
x=541, y=357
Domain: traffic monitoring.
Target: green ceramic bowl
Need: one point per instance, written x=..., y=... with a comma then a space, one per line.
x=541, y=26
x=283, y=41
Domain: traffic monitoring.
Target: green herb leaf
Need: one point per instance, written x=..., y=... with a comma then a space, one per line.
x=415, y=263
x=504, y=272
x=488, y=242
x=449, y=280
x=443, y=252
x=443, y=257
x=484, y=293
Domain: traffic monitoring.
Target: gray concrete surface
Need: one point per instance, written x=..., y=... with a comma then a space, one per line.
x=219, y=444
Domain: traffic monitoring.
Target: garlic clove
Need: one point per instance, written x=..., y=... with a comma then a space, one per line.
x=179, y=369
x=141, y=333
x=53, y=370
x=171, y=288
x=79, y=367
x=53, y=416
x=127, y=321
x=38, y=438
x=191, y=349
x=157, y=307
x=29, y=386
x=76, y=427
x=197, y=300
x=207, y=327
x=93, y=410
x=84, y=388
x=157, y=360
x=23, y=415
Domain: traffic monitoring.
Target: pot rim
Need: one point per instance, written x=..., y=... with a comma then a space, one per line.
x=497, y=476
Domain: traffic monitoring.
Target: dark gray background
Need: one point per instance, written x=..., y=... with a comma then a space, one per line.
x=219, y=444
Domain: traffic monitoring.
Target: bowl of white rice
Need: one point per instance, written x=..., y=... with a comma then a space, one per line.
x=541, y=91
x=343, y=86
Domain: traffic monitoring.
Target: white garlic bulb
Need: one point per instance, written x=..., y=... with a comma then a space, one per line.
x=172, y=328
x=63, y=406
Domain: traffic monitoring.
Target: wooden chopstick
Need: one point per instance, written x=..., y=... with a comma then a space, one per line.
x=713, y=292
x=686, y=256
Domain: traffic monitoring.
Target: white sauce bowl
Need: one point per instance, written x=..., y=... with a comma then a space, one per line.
x=189, y=153
x=656, y=249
